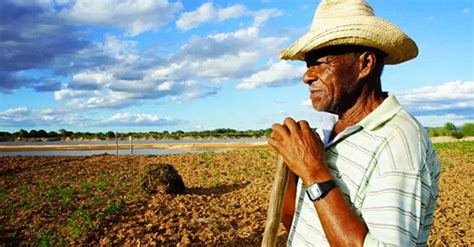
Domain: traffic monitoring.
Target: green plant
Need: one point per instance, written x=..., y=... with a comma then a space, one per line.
x=85, y=187
x=115, y=206
x=39, y=182
x=49, y=199
x=3, y=195
x=25, y=189
x=467, y=129
x=45, y=238
x=75, y=228
x=67, y=195
x=457, y=134
x=103, y=182
x=84, y=216
x=433, y=132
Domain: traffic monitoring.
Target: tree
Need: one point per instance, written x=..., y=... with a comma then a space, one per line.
x=65, y=133
x=467, y=129
x=33, y=133
x=110, y=134
x=42, y=133
x=53, y=134
x=23, y=133
x=450, y=126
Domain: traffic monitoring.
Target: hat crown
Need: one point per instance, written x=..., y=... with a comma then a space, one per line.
x=352, y=22
x=341, y=9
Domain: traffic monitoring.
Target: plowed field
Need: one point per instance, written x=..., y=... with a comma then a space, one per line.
x=98, y=200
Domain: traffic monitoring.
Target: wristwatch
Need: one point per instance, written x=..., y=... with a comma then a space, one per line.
x=316, y=191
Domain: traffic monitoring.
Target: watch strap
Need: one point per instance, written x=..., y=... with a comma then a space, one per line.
x=324, y=187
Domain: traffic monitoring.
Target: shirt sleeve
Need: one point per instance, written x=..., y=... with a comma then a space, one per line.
x=394, y=207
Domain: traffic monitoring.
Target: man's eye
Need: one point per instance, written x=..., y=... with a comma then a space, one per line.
x=313, y=63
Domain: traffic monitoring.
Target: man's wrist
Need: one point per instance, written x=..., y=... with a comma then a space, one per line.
x=320, y=176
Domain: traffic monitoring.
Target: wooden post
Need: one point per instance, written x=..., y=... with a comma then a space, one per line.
x=116, y=143
x=270, y=236
x=131, y=144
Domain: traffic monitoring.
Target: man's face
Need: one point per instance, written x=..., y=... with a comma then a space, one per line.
x=332, y=80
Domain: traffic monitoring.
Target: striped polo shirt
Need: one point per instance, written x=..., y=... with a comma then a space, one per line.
x=388, y=170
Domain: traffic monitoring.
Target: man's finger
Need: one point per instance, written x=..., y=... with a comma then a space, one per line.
x=280, y=130
x=275, y=144
x=304, y=126
x=291, y=125
x=276, y=136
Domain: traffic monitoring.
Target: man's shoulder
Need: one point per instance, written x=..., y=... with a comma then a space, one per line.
x=407, y=143
x=405, y=125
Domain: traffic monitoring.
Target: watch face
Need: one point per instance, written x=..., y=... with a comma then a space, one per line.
x=314, y=191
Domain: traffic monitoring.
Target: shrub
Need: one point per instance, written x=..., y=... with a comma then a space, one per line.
x=467, y=129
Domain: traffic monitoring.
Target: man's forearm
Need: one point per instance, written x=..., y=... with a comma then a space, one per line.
x=343, y=227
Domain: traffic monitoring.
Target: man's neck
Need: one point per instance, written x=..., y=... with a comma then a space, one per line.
x=367, y=102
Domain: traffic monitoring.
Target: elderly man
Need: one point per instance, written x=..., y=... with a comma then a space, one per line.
x=373, y=180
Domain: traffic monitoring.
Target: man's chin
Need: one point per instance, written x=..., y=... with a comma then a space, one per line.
x=318, y=107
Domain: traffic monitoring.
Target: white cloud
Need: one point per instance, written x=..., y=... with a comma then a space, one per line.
x=138, y=119
x=220, y=56
x=233, y=11
x=465, y=11
x=165, y=86
x=277, y=74
x=134, y=16
x=15, y=117
x=194, y=90
x=207, y=12
x=111, y=100
x=263, y=15
x=91, y=80
x=189, y=20
x=121, y=49
x=307, y=103
x=455, y=92
x=67, y=93
x=134, y=76
x=450, y=99
x=24, y=117
x=122, y=93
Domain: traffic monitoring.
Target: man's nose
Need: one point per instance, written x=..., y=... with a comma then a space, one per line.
x=309, y=76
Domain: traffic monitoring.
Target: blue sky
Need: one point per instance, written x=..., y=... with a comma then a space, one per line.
x=143, y=65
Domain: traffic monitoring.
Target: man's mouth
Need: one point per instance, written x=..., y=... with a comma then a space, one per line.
x=315, y=90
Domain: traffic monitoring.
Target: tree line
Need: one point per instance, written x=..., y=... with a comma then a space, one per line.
x=449, y=129
x=63, y=134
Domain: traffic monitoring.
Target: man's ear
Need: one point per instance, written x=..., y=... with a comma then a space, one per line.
x=367, y=61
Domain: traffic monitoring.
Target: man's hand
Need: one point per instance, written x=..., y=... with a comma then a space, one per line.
x=302, y=150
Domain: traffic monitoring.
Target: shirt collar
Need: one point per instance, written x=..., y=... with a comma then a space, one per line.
x=381, y=114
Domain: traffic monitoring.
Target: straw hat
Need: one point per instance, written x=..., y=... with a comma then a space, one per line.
x=352, y=22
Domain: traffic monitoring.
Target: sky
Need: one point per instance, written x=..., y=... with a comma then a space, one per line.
x=155, y=65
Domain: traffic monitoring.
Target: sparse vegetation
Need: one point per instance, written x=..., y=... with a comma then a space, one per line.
x=62, y=135
x=99, y=200
x=449, y=129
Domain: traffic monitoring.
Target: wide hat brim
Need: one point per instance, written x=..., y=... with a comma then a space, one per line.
x=369, y=31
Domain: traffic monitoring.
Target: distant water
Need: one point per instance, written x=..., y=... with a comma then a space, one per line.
x=121, y=151
x=127, y=142
x=92, y=152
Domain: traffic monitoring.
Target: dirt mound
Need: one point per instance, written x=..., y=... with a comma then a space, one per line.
x=163, y=178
